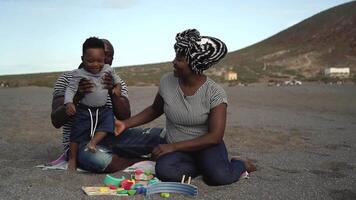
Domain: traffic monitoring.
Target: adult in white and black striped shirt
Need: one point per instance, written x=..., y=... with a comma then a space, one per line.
x=195, y=108
x=132, y=143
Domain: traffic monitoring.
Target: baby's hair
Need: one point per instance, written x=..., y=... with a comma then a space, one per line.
x=93, y=42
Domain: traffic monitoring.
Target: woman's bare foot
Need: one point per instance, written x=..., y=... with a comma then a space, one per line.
x=250, y=167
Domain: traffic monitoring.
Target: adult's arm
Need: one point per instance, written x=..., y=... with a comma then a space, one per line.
x=217, y=123
x=58, y=114
x=147, y=115
x=73, y=151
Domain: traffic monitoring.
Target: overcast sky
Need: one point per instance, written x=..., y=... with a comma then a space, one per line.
x=47, y=35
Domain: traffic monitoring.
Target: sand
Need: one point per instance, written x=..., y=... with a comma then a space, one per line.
x=301, y=138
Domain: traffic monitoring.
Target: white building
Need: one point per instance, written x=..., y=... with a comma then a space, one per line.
x=337, y=72
x=231, y=76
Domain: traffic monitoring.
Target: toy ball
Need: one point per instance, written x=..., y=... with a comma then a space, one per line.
x=165, y=195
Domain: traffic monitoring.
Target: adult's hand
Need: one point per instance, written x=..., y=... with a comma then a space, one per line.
x=108, y=82
x=70, y=109
x=162, y=149
x=85, y=86
x=120, y=126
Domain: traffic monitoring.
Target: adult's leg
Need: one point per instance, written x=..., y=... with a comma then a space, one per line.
x=172, y=166
x=93, y=161
x=119, y=163
x=216, y=167
x=136, y=142
x=98, y=136
x=102, y=160
x=121, y=151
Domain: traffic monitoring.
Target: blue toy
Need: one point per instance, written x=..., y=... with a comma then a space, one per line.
x=172, y=187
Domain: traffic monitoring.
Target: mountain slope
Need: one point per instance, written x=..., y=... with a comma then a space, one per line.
x=327, y=39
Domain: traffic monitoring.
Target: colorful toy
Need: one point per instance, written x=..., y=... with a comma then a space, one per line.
x=137, y=185
x=122, y=191
x=127, y=184
x=165, y=195
x=104, y=189
x=131, y=192
x=173, y=187
x=141, y=190
x=90, y=191
x=141, y=175
x=109, y=180
x=153, y=181
x=112, y=187
x=145, y=184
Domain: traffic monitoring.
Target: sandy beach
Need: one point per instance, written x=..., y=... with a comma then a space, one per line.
x=302, y=139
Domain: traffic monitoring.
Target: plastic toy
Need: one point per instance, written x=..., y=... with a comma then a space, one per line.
x=141, y=190
x=109, y=180
x=103, y=189
x=173, y=187
x=112, y=187
x=122, y=191
x=90, y=191
x=165, y=195
x=131, y=192
x=127, y=184
x=153, y=181
x=141, y=175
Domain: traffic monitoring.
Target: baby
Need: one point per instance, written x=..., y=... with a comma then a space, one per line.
x=91, y=112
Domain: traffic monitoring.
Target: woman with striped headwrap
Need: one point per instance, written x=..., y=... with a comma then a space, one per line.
x=195, y=108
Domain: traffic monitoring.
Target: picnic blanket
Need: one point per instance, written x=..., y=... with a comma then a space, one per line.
x=61, y=164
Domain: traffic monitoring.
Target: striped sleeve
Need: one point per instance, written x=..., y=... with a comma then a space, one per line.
x=218, y=96
x=61, y=84
x=124, y=91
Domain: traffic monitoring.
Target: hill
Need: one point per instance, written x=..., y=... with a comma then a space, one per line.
x=303, y=51
x=327, y=39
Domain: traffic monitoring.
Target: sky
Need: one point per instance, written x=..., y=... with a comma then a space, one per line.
x=47, y=35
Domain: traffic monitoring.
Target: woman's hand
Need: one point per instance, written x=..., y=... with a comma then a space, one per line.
x=120, y=126
x=70, y=109
x=162, y=149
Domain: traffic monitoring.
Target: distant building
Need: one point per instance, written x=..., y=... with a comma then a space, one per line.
x=337, y=72
x=231, y=76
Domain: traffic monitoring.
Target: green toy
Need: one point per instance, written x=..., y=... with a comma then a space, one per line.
x=109, y=180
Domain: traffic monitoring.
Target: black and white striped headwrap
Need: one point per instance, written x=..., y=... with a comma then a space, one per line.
x=202, y=51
